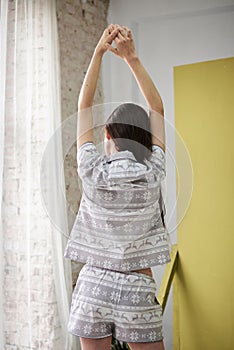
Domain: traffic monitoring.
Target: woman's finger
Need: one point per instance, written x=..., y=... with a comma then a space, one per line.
x=110, y=28
x=117, y=40
x=113, y=34
x=122, y=31
x=121, y=37
x=129, y=32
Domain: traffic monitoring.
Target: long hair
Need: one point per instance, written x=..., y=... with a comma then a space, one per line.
x=129, y=128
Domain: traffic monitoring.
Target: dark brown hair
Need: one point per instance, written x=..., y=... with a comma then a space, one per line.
x=129, y=128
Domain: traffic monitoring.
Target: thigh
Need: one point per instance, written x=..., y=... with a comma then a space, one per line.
x=147, y=346
x=96, y=344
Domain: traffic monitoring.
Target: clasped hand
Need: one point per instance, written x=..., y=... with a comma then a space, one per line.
x=122, y=38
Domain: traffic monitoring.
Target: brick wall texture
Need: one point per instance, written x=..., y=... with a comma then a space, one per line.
x=80, y=25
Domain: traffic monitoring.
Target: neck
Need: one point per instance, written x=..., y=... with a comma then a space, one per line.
x=112, y=147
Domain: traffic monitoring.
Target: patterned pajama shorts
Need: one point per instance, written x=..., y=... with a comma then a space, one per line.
x=106, y=302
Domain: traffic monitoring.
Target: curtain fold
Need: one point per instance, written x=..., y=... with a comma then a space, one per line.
x=3, y=30
x=36, y=284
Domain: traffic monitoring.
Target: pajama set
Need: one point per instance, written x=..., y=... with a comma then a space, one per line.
x=118, y=229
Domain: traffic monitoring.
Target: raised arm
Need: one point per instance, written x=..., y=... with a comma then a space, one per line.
x=125, y=49
x=87, y=92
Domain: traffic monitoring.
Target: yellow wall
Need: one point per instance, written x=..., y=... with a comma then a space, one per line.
x=204, y=283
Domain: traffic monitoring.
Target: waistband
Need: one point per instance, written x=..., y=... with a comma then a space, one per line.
x=88, y=267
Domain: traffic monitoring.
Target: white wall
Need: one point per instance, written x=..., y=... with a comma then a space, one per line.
x=168, y=33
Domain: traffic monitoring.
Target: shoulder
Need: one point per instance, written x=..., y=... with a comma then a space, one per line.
x=89, y=160
x=157, y=162
x=157, y=148
x=87, y=151
x=89, y=145
x=157, y=154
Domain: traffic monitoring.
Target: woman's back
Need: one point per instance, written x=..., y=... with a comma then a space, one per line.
x=119, y=224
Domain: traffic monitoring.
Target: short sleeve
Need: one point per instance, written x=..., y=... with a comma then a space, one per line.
x=158, y=161
x=88, y=158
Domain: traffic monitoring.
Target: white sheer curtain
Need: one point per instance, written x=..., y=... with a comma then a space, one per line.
x=35, y=279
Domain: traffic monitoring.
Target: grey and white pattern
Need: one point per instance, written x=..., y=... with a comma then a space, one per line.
x=106, y=302
x=119, y=226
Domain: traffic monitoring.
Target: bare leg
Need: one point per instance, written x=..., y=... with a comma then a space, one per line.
x=159, y=345
x=96, y=344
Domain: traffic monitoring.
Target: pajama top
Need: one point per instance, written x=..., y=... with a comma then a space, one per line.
x=119, y=225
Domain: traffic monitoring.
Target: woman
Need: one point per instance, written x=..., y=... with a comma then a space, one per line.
x=119, y=232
